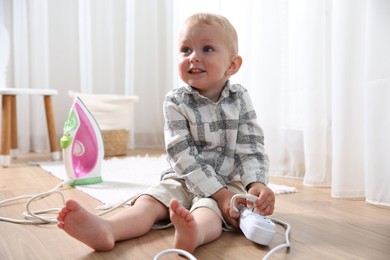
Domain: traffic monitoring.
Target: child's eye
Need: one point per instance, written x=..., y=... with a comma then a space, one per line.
x=185, y=50
x=208, y=49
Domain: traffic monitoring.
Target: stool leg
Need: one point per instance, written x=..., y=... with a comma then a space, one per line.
x=14, y=129
x=5, y=158
x=51, y=127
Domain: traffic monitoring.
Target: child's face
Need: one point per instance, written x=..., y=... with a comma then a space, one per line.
x=204, y=56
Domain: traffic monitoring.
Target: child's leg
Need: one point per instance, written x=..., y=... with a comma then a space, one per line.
x=201, y=226
x=100, y=233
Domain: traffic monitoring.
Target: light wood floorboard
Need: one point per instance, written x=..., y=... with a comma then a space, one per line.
x=322, y=227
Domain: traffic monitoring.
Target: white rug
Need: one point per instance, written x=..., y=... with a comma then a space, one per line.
x=124, y=178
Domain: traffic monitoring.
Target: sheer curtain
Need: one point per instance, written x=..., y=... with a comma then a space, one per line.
x=100, y=47
x=325, y=72
x=318, y=73
x=28, y=64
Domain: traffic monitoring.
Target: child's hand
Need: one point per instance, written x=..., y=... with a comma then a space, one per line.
x=266, y=198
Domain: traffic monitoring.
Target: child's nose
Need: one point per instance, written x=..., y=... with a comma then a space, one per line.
x=194, y=57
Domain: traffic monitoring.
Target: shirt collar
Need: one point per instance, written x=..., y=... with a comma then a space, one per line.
x=225, y=92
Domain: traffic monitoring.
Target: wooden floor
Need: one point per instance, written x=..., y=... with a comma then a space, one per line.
x=322, y=227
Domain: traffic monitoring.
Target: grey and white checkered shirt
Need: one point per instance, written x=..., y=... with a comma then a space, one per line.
x=210, y=143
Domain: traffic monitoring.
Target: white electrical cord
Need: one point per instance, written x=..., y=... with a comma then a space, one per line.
x=178, y=251
x=266, y=257
x=33, y=217
x=286, y=237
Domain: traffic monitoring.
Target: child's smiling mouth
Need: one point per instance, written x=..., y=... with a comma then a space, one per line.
x=196, y=71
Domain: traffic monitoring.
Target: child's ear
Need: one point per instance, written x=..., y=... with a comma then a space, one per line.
x=235, y=65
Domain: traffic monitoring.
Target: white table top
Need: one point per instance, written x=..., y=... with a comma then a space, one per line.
x=28, y=91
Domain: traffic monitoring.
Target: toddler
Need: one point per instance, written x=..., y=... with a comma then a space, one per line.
x=214, y=146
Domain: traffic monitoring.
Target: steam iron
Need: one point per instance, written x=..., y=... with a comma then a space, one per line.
x=82, y=146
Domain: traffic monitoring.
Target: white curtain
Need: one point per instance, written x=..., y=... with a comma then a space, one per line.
x=318, y=73
x=28, y=64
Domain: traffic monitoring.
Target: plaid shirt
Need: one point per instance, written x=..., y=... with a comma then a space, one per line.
x=210, y=143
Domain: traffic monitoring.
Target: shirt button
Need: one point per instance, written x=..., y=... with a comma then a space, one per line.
x=219, y=149
x=219, y=131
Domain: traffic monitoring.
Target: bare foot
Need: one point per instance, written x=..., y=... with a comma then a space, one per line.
x=85, y=226
x=186, y=231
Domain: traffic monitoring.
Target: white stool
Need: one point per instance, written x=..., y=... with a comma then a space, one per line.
x=9, y=140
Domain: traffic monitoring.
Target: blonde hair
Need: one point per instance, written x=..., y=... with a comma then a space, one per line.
x=223, y=22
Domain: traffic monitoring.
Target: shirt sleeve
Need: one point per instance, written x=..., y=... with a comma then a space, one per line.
x=250, y=156
x=200, y=178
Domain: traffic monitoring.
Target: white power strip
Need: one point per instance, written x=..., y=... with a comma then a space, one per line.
x=255, y=227
x=258, y=228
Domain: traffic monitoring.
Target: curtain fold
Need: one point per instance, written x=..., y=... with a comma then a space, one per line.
x=348, y=58
x=85, y=47
x=312, y=50
x=20, y=61
x=377, y=107
x=38, y=70
x=318, y=74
